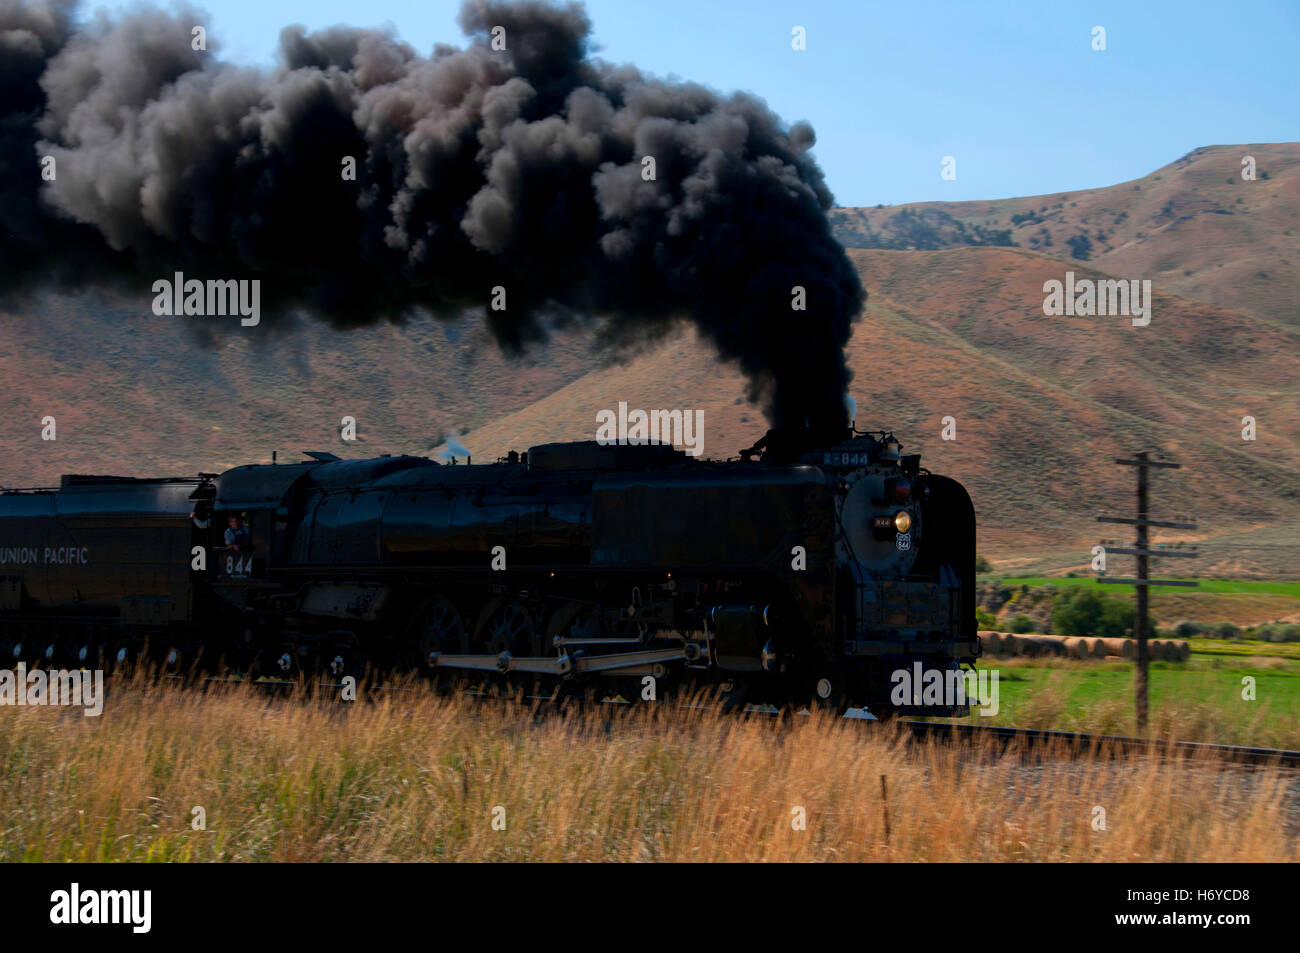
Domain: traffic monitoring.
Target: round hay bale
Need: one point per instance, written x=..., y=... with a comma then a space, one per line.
x=1158, y=651
x=1184, y=650
x=1078, y=648
x=1124, y=648
x=1010, y=643
x=991, y=643
x=1045, y=644
x=1096, y=647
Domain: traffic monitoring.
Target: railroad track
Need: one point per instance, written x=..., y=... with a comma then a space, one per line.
x=1006, y=737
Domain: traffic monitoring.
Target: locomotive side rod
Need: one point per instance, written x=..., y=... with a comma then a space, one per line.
x=565, y=664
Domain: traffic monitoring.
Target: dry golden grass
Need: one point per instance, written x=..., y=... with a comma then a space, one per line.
x=417, y=777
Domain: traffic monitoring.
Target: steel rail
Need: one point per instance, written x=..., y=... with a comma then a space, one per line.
x=1082, y=741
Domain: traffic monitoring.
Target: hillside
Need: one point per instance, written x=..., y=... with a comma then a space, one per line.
x=1194, y=227
x=953, y=328
x=137, y=394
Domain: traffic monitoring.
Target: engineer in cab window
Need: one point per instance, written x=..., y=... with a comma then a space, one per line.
x=237, y=536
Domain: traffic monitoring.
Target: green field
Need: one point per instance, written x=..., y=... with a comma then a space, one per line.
x=1196, y=701
x=1244, y=648
x=1203, y=585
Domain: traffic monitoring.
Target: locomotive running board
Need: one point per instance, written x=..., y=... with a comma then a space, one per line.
x=631, y=663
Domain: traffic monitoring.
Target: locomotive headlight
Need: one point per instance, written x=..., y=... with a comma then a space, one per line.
x=902, y=521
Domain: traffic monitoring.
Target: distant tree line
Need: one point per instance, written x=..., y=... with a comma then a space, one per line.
x=917, y=230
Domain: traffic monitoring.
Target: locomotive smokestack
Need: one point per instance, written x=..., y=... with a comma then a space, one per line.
x=361, y=182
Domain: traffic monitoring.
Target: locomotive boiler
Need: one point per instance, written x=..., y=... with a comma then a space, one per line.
x=806, y=570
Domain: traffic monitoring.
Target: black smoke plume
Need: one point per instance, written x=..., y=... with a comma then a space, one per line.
x=475, y=168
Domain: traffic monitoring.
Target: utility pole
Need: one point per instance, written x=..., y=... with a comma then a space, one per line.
x=1142, y=550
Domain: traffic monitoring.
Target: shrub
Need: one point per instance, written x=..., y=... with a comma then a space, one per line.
x=1190, y=629
x=982, y=564
x=1226, y=630
x=985, y=619
x=1278, y=632
x=1085, y=612
x=1022, y=624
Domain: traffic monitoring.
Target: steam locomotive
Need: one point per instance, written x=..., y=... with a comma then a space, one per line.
x=804, y=571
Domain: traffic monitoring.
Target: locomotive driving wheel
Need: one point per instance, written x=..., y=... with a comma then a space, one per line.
x=506, y=628
x=586, y=624
x=438, y=628
x=575, y=622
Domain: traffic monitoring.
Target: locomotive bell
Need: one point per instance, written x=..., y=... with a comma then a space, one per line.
x=889, y=452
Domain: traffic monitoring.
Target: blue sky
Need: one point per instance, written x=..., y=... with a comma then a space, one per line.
x=1013, y=90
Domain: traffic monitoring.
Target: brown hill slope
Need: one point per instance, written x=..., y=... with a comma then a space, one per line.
x=1193, y=227
x=136, y=394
